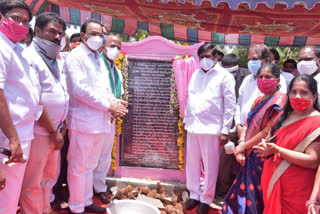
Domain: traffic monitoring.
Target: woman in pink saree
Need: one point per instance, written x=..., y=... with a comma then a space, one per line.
x=291, y=162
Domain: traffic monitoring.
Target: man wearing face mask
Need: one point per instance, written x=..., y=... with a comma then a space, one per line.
x=110, y=52
x=308, y=63
x=208, y=117
x=89, y=119
x=229, y=167
x=258, y=55
x=49, y=130
x=19, y=100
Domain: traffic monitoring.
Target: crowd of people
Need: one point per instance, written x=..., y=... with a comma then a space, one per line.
x=45, y=90
x=271, y=115
x=60, y=93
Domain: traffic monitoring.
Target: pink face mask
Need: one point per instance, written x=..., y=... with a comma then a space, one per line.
x=267, y=86
x=13, y=31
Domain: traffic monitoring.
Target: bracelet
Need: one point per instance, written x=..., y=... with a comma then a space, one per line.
x=240, y=140
x=309, y=202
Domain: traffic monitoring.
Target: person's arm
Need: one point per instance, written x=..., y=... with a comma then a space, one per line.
x=229, y=103
x=313, y=205
x=237, y=115
x=81, y=91
x=255, y=140
x=54, y=131
x=2, y=180
x=308, y=159
x=9, y=130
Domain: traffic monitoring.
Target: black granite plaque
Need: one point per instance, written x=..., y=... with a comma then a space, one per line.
x=149, y=131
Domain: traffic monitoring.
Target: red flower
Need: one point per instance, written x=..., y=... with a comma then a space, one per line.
x=251, y=187
x=242, y=186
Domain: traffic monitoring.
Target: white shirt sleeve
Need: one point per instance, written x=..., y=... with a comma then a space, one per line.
x=80, y=89
x=237, y=115
x=229, y=99
x=3, y=72
x=283, y=84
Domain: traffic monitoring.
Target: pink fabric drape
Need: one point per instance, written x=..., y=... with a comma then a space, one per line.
x=183, y=70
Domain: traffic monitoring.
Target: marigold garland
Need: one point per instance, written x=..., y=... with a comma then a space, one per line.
x=122, y=64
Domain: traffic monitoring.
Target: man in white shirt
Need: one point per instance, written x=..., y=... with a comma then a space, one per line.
x=258, y=55
x=308, y=63
x=19, y=100
x=89, y=119
x=208, y=116
x=275, y=58
x=110, y=52
x=42, y=165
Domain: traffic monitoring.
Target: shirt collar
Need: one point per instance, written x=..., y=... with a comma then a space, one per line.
x=11, y=44
x=88, y=51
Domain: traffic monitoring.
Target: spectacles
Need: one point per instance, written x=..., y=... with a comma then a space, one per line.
x=18, y=20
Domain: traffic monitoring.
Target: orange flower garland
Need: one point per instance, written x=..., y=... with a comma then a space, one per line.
x=122, y=64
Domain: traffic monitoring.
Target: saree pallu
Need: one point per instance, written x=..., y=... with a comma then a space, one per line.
x=286, y=187
x=245, y=195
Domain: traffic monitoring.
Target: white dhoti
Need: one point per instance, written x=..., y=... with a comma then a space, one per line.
x=40, y=172
x=100, y=172
x=83, y=156
x=9, y=196
x=203, y=147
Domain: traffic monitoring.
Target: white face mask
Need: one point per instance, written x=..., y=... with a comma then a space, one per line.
x=95, y=42
x=206, y=64
x=113, y=53
x=307, y=67
x=232, y=69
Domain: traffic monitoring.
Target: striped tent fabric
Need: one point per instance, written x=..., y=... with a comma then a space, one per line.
x=180, y=32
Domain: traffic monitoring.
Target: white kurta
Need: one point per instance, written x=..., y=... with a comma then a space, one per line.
x=209, y=111
x=42, y=164
x=211, y=102
x=89, y=121
x=248, y=92
x=100, y=172
x=21, y=89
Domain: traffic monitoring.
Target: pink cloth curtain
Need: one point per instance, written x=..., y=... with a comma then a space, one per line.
x=183, y=70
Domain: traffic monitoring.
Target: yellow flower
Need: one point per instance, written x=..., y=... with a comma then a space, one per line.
x=119, y=66
x=120, y=57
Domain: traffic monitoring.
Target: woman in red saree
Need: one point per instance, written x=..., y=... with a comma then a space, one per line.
x=288, y=175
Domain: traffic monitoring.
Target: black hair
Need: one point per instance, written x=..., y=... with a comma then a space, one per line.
x=85, y=24
x=7, y=5
x=275, y=70
x=205, y=47
x=44, y=18
x=290, y=61
x=215, y=51
x=315, y=49
x=31, y=33
x=230, y=59
x=75, y=35
x=262, y=49
x=312, y=85
x=275, y=53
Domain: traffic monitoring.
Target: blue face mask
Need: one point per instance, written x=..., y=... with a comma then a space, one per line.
x=22, y=45
x=254, y=66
